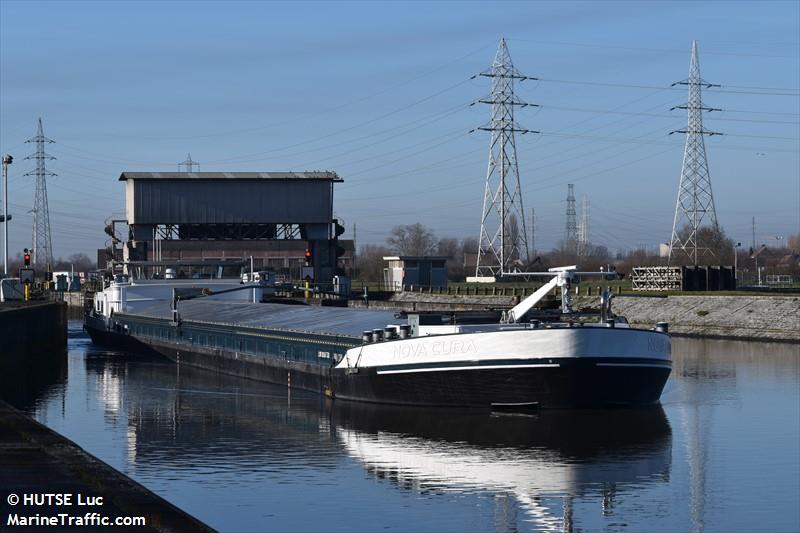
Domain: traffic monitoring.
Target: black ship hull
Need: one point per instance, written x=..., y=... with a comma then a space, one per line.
x=574, y=383
x=556, y=382
x=113, y=339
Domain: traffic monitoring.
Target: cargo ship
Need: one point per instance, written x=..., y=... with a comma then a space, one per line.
x=567, y=359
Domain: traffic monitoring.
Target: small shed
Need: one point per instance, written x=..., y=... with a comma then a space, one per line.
x=420, y=271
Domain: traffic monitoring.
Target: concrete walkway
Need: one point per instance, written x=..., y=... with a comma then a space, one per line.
x=36, y=460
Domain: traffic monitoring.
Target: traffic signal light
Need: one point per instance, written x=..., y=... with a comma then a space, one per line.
x=308, y=257
x=338, y=229
x=27, y=258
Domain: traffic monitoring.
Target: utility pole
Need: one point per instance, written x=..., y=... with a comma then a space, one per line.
x=695, y=205
x=42, y=240
x=7, y=160
x=755, y=252
x=500, y=244
x=355, y=251
x=533, y=233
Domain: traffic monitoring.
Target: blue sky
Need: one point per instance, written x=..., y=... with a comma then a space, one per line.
x=380, y=93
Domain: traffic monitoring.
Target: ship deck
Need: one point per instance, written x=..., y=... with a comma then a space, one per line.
x=274, y=316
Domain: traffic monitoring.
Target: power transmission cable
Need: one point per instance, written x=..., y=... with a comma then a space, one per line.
x=654, y=115
x=638, y=141
x=750, y=112
x=349, y=128
x=794, y=92
x=385, y=154
x=406, y=128
x=562, y=152
x=657, y=50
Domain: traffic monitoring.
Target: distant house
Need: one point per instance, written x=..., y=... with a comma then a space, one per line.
x=420, y=271
x=789, y=261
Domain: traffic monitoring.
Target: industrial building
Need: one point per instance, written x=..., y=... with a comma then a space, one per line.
x=407, y=271
x=283, y=220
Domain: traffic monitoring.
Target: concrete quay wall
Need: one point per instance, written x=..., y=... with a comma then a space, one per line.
x=33, y=347
x=32, y=328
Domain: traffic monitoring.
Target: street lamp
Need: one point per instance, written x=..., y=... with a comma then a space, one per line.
x=7, y=160
x=736, y=263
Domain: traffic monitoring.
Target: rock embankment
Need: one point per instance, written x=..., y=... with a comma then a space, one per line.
x=769, y=318
x=775, y=318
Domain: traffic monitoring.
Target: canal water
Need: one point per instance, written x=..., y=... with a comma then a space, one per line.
x=721, y=453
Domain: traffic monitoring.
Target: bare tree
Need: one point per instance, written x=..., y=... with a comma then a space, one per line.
x=449, y=248
x=713, y=247
x=371, y=263
x=793, y=242
x=412, y=239
x=78, y=261
x=512, y=238
x=467, y=260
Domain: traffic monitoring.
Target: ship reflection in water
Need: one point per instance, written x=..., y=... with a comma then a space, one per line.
x=248, y=456
x=539, y=460
x=534, y=458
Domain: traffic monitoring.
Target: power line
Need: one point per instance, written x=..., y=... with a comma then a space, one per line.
x=657, y=50
x=349, y=128
x=638, y=141
x=655, y=115
x=632, y=86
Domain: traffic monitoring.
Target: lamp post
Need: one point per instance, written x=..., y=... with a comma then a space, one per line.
x=736, y=263
x=7, y=160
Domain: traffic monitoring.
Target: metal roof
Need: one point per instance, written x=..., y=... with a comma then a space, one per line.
x=343, y=321
x=314, y=175
x=416, y=258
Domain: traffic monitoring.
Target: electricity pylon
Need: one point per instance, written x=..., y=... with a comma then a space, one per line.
x=695, y=205
x=189, y=164
x=42, y=241
x=502, y=247
x=583, y=227
x=571, y=229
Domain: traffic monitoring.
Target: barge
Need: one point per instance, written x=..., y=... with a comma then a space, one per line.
x=430, y=359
